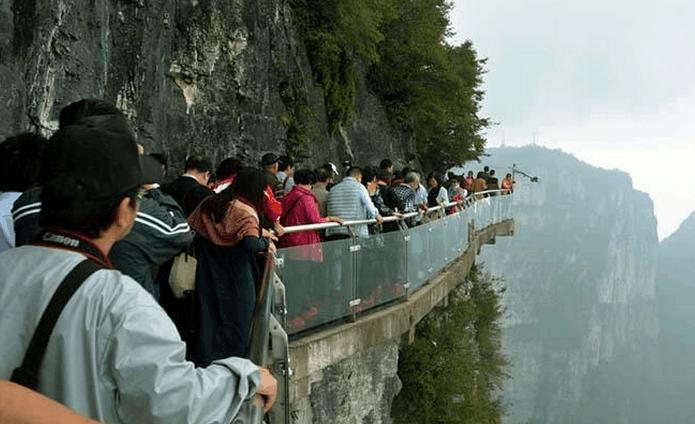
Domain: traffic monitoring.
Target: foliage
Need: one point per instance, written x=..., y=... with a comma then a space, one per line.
x=431, y=89
x=454, y=370
x=337, y=33
x=297, y=120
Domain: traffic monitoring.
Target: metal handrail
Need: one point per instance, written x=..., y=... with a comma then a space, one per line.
x=324, y=225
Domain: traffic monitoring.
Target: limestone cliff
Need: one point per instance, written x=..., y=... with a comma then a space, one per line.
x=580, y=276
x=225, y=77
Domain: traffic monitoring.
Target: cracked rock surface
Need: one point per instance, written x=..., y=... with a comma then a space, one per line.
x=192, y=75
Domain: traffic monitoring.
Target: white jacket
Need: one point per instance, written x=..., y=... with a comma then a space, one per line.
x=114, y=354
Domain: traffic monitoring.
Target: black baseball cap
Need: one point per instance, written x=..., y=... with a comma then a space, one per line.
x=104, y=160
x=268, y=159
x=152, y=169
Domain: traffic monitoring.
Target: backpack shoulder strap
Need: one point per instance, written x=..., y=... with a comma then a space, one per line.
x=27, y=373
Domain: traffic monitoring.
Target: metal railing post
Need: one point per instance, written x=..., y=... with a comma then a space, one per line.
x=354, y=303
x=405, y=233
x=252, y=410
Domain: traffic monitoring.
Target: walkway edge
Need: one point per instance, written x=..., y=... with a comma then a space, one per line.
x=310, y=354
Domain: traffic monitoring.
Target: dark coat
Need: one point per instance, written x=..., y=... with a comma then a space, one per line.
x=187, y=192
x=160, y=232
x=25, y=214
x=226, y=287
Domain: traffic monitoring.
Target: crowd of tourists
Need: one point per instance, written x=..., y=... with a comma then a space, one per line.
x=92, y=229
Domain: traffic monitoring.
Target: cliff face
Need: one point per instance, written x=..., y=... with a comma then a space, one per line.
x=673, y=376
x=218, y=76
x=580, y=276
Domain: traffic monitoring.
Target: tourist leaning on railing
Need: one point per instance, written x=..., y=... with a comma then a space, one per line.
x=479, y=185
x=350, y=201
x=437, y=194
x=508, y=184
x=324, y=178
x=229, y=238
x=300, y=207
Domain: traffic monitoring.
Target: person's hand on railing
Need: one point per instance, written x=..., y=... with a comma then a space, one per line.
x=379, y=219
x=268, y=389
x=272, y=248
x=335, y=219
x=270, y=236
x=278, y=228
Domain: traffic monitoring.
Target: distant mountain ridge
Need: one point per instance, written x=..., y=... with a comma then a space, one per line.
x=673, y=375
x=580, y=273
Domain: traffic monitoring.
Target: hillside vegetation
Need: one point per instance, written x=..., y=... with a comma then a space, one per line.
x=454, y=370
x=430, y=88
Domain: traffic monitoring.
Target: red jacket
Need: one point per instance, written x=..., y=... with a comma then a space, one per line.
x=300, y=207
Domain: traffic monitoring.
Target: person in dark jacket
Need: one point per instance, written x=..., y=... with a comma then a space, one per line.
x=20, y=164
x=160, y=232
x=437, y=194
x=90, y=112
x=228, y=241
x=271, y=166
x=192, y=187
x=404, y=197
x=386, y=196
x=493, y=182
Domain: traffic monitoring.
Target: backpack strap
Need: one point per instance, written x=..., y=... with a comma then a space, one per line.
x=27, y=373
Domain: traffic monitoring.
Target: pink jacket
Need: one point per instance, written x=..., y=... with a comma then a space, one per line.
x=300, y=207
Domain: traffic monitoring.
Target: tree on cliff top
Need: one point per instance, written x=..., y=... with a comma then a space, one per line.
x=430, y=88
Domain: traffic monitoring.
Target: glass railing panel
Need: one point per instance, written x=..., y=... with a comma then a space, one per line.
x=381, y=269
x=319, y=283
x=506, y=203
x=455, y=236
x=476, y=213
x=438, y=247
x=418, y=251
x=484, y=213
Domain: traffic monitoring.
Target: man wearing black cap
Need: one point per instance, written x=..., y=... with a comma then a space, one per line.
x=25, y=211
x=160, y=231
x=86, y=335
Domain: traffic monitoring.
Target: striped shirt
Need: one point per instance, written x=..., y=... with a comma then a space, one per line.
x=350, y=201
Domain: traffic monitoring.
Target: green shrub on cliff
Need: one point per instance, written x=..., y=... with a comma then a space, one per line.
x=454, y=370
x=430, y=88
x=337, y=33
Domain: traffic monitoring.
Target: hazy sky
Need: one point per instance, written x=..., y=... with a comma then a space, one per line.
x=611, y=81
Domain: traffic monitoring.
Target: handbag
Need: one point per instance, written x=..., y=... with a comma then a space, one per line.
x=182, y=275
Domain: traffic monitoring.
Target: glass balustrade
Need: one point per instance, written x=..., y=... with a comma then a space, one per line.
x=319, y=283
x=334, y=280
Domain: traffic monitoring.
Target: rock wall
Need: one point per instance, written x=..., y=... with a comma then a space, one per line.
x=224, y=77
x=581, y=295
x=359, y=389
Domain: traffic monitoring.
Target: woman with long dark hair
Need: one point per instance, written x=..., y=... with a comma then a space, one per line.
x=437, y=194
x=228, y=241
